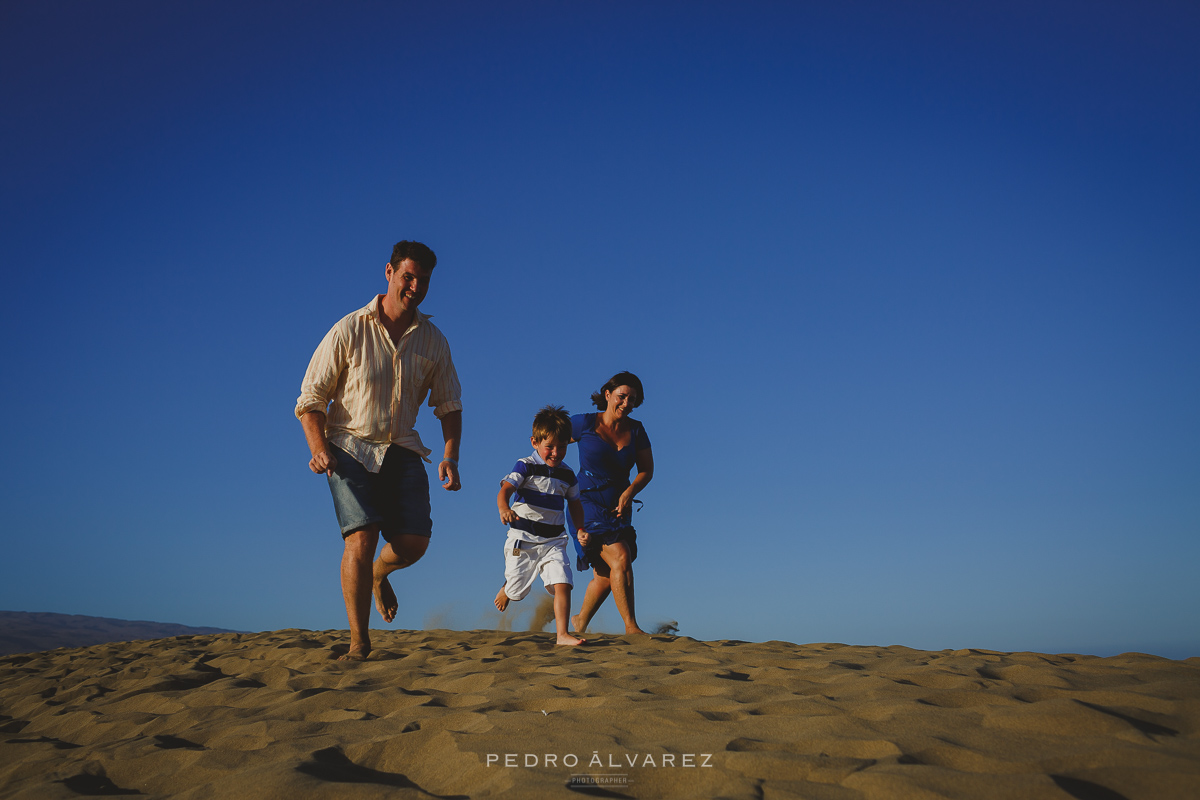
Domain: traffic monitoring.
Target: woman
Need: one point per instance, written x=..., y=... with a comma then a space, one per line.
x=611, y=443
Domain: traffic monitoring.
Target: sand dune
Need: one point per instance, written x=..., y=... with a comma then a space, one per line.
x=33, y=631
x=488, y=713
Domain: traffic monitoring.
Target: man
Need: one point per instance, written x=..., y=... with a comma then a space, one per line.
x=357, y=405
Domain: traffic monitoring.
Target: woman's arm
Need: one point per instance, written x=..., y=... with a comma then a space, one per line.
x=645, y=466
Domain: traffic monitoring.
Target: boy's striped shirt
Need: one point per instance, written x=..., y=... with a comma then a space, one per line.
x=540, y=497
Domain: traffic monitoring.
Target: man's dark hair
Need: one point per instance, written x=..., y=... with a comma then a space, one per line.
x=419, y=253
x=620, y=379
x=552, y=422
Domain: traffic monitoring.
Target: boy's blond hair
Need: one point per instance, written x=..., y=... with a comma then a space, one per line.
x=552, y=422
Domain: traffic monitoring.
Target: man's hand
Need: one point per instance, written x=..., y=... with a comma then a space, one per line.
x=448, y=475
x=583, y=537
x=508, y=516
x=323, y=461
x=451, y=434
x=313, y=423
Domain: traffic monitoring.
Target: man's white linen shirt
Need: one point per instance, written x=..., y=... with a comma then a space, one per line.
x=370, y=388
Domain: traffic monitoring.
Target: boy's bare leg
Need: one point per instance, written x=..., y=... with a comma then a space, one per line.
x=562, y=610
x=502, y=598
x=620, y=578
x=357, y=551
x=405, y=551
x=595, y=594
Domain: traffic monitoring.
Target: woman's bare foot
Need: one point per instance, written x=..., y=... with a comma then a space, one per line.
x=385, y=597
x=575, y=624
x=635, y=631
x=502, y=599
x=568, y=639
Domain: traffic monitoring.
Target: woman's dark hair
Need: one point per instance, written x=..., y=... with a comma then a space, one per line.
x=620, y=379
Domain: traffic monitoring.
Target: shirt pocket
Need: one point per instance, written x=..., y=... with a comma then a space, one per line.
x=418, y=372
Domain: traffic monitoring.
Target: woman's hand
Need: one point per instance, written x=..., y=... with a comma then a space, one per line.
x=583, y=537
x=623, y=504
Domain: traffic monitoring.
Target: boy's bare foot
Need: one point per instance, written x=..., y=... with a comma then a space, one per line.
x=385, y=597
x=568, y=639
x=575, y=624
x=502, y=599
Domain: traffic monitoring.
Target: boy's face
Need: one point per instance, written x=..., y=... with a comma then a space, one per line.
x=552, y=451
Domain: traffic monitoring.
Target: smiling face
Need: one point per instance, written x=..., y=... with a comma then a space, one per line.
x=620, y=400
x=407, y=284
x=550, y=450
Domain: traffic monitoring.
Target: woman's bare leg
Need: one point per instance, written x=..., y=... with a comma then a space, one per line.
x=620, y=578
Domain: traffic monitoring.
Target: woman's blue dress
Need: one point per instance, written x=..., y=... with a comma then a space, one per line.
x=603, y=476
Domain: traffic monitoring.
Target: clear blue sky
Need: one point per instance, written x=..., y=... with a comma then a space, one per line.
x=913, y=292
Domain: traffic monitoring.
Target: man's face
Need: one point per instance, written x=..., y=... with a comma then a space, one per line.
x=407, y=284
x=552, y=451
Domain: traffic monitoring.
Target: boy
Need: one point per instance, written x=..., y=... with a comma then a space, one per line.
x=537, y=540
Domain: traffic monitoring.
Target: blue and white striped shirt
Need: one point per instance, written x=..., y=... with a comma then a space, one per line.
x=541, y=497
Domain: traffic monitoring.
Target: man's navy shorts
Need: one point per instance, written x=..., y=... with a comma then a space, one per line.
x=396, y=499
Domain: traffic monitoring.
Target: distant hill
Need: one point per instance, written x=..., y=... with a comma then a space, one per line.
x=35, y=631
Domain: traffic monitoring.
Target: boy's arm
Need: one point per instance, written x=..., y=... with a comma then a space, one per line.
x=507, y=515
x=576, y=509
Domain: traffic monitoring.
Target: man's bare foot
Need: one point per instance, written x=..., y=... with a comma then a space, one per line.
x=568, y=639
x=502, y=599
x=575, y=624
x=385, y=597
x=355, y=654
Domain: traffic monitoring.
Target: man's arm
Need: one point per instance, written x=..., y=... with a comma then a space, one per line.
x=320, y=378
x=452, y=433
x=313, y=423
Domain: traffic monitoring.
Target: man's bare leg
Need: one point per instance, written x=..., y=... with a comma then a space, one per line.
x=562, y=610
x=620, y=578
x=406, y=551
x=595, y=594
x=357, y=551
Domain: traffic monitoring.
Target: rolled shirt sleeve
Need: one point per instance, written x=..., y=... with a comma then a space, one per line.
x=321, y=377
x=445, y=393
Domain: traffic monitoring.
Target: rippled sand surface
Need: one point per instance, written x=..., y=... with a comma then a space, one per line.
x=489, y=713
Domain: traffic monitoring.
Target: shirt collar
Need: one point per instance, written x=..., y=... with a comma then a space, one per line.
x=538, y=459
x=371, y=309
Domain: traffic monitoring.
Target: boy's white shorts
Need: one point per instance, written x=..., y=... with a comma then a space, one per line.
x=531, y=559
